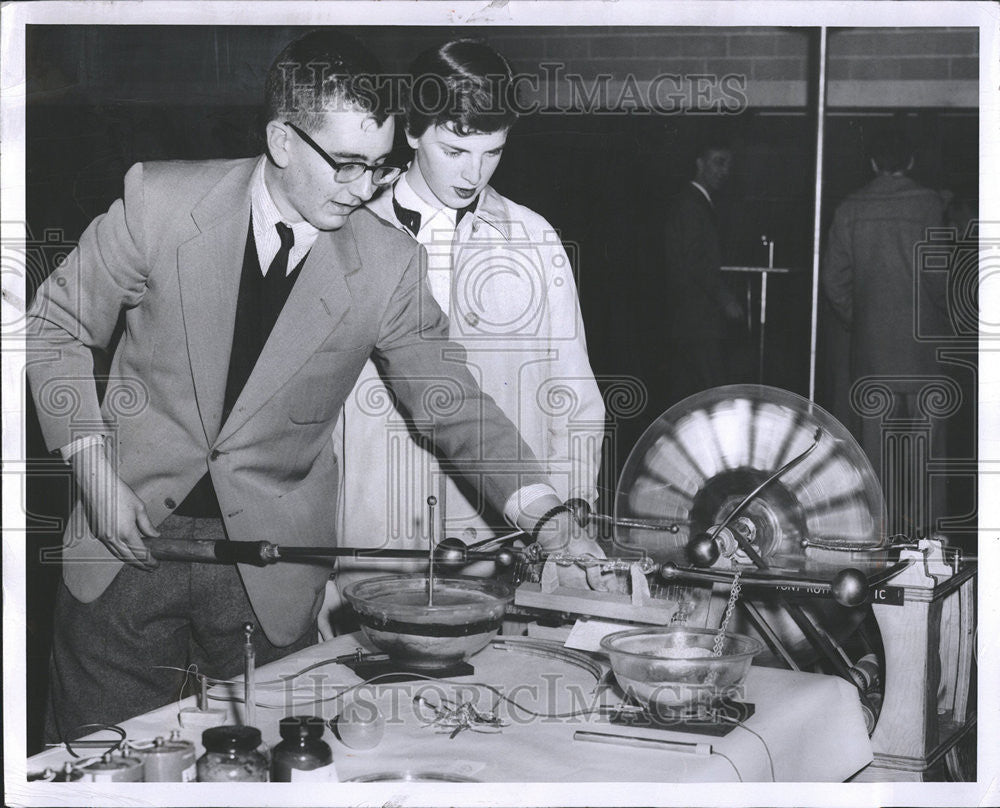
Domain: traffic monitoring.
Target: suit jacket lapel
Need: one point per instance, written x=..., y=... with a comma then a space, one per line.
x=209, y=267
x=319, y=300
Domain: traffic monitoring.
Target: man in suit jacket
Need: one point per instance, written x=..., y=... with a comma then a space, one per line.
x=701, y=307
x=253, y=292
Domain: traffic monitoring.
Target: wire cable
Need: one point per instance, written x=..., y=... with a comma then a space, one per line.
x=289, y=678
x=726, y=758
x=85, y=729
x=767, y=750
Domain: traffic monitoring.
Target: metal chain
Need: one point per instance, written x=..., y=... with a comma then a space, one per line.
x=734, y=594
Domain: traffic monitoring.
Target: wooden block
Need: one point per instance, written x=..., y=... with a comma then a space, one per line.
x=596, y=604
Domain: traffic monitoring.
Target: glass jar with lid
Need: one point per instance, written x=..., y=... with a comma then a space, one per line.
x=302, y=755
x=232, y=754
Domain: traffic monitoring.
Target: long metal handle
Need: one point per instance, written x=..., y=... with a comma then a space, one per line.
x=207, y=551
x=671, y=571
x=262, y=553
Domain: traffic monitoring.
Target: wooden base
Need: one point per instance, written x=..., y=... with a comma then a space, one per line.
x=928, y=644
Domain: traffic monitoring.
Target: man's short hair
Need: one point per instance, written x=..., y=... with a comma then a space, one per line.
x=320, y=72
x=711, y=144
x=465, y=83
x=891, y=150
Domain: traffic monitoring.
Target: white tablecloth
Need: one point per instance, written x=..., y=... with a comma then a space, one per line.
x=811, y=727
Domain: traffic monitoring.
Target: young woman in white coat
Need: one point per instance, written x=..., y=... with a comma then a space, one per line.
x=501, y=274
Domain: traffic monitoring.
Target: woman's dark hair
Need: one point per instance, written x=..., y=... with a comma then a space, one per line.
x=465, y=83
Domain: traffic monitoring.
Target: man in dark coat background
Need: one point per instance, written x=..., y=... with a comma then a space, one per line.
x=869, y=277
x=701, y=308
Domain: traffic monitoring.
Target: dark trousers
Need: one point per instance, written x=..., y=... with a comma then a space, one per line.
x=126, y=652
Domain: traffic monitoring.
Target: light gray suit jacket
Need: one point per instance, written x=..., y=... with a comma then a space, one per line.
x=170, y=255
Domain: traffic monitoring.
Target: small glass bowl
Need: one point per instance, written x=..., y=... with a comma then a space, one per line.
x=673, y=668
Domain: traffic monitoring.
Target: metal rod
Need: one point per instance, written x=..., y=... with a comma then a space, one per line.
x=818, y=201
x=290, y=553
x=487, y=544
x=769, y=633
x=769, y=243
x=637, y=524
x=249, y=669
x=203, y=551
x=671, y=571
x=431, y=502
x=819, y=640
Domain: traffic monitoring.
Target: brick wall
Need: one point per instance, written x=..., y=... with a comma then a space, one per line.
x=869, y=67
x=891, y=67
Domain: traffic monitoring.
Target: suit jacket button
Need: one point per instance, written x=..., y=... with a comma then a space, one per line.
x=472, y=319
x=215, y=454
x=169, y=503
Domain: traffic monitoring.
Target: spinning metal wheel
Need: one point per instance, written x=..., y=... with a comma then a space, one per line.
x=699, y=459
x=818, y=507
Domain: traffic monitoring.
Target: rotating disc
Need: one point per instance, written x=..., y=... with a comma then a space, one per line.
x=699, y=459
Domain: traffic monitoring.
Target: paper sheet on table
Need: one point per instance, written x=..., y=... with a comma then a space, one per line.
x=586, y=635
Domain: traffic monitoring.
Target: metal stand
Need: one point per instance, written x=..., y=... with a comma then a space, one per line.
x=763, y=272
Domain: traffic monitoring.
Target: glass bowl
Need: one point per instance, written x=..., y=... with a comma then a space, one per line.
x=394, y=615
x=410, y=777
x=672, y=669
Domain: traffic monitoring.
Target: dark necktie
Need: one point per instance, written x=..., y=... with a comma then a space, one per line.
x=278, y=268
x=467, y=209
x=410, y=219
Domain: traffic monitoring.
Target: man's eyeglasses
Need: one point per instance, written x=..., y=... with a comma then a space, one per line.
x=348, y=172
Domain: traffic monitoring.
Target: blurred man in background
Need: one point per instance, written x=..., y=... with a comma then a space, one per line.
x=701, y=309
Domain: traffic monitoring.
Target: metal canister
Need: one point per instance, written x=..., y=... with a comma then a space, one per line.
x=169, y=761
x=111, y=768
x=67, y=774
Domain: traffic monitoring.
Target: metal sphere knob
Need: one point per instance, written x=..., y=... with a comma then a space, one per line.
x=849, y=587
x=451, y=552
x=506, y=558
x=702, y=550
x=669, y=570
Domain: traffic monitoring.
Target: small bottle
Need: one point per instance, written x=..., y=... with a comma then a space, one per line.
x=302, y=755
x=232, y=754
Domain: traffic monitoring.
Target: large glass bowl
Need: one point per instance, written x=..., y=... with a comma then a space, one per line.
x=673, y=669
x=395, y=615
